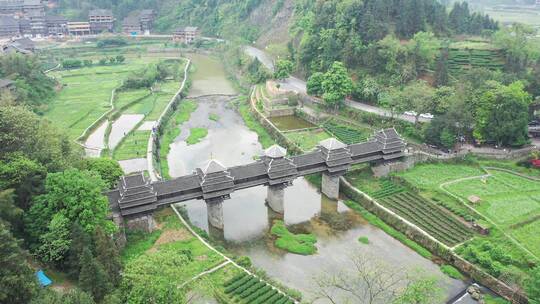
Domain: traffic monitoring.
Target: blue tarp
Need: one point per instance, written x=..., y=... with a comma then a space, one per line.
x=43, y=279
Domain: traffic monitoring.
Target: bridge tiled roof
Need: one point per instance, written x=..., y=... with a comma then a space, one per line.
x=136, y=195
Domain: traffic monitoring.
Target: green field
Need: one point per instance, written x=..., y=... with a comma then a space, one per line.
x=133, y=146
x=86, y=94
x=505, y=198
x=467, y=54
x=529, y=236
x=430, y=176
x=307, y=140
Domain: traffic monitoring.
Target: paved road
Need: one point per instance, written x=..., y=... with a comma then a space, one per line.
x=295, y=84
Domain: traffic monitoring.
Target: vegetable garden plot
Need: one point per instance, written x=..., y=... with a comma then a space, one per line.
x=245, y=288
x=345, y=134
x=428, y=217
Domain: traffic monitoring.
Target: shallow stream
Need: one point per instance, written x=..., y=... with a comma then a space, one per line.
x=247, y=219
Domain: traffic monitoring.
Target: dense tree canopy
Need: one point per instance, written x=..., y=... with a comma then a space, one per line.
x=17, y=280
x=34, y=88
x=71, y=197
x=503, y=114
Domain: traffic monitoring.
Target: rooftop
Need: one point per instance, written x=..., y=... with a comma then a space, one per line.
x=213, y=166
x=275, y=151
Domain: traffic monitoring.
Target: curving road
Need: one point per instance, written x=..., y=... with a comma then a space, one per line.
x=295, y=84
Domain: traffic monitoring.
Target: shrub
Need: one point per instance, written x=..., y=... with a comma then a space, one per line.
x=295, y=243
x=363, y=240
x=452, y=272
x=71, y=64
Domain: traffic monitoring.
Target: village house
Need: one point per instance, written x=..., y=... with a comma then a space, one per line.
x=78, y=28
x=56, y=25
x=101, y=20
x=186, y=34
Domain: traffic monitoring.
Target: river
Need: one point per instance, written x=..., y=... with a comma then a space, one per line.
x=247, y=219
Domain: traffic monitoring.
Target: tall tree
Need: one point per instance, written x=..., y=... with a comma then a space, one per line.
x=93, y=278
x=17, y=280
x=284, y=68
x=108, y=169
x=336, y=85
x=503, y=114
x=76, y=196
x=107, y=255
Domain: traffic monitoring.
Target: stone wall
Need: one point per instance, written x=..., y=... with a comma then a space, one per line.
x=272, y=129
x=278, y=112
x=435, y=247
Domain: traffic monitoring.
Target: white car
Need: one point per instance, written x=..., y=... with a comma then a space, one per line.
x=411, y=113
x=427, y=115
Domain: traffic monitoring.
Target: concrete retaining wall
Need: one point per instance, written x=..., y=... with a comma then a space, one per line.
x=278, y=112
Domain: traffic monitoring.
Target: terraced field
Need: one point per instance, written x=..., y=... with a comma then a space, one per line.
x=346, y=134
x=428, y=217
x=460, y=59
x=248, y=289
x=86, y=94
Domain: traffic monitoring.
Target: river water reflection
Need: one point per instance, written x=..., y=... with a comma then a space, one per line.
x=247, y=219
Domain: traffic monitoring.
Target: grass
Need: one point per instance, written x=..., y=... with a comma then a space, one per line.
x=303, y=244
x=529, y=236
x=196, y=135
x=489, y=299
x=307, y=140
x=176, y=257
x=133, y=146
x=138, y=243
x=452, y=272
x=506, y=198
x=363, y=240
x=86, y=94
x=213, y=117
x=430, y=176
x=243, y=107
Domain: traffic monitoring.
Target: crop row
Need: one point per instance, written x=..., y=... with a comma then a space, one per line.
x=429, y=217
x=250, y=290
x=345, y=134
x=387, y=188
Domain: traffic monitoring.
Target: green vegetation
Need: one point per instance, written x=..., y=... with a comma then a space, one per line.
x=249, y=289
x=295, y=243
x=505, y=198
x=348, y=134
x=162, y=261
x=243, y=107
x=452, y=272
x=132, y=146
x=307, y=140
x=86, y=94
x=213, y=117
x=32, y=87
x=428, y=217
x=508, y=200
x=363, y=240
x=196, y=135
x=494, y=300
x=375, y=221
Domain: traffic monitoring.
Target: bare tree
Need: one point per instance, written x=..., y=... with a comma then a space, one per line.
x=371, y=281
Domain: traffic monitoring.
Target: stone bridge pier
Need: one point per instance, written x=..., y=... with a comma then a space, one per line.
x=338, y=159
x=214, y=210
